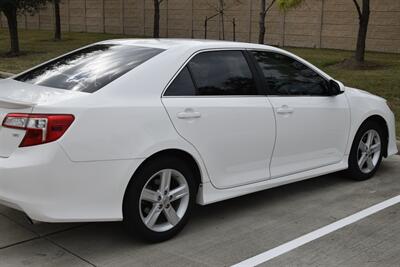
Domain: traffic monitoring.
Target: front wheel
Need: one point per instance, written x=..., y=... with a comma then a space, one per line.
x=366, y=152
x=159, y=199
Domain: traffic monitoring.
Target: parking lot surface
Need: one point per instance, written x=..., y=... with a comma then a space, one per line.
x=229, y=232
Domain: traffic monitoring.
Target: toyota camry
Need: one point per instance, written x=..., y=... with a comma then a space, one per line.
x=140, y=131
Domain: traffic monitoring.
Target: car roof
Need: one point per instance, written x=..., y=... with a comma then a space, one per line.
x=169, y=43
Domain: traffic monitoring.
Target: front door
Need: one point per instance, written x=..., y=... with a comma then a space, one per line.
x=312, y=127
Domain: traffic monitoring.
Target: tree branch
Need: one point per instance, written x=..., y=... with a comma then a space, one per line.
x=358, y=8
x=269, y=6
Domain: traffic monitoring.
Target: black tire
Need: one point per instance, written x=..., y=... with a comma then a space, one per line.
x=131, y=208
x=354, y=171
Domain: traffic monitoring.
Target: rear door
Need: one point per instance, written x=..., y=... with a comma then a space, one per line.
x=214, y=104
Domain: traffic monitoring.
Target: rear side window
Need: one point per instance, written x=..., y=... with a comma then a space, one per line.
x=214, y=73
x=182, y=85
x=90, y=68
x=287, y=76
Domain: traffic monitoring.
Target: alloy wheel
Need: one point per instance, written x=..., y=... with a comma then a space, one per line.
x=164, y=200
x=369, y=151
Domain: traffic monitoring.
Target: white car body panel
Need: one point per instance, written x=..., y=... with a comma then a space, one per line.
x=314, y=134
x=209, y=194
x=364, y=105
x=47, y=186
x=83, y=176
x=235, y=159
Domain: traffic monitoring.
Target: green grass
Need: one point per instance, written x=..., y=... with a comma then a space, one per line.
x=38, y=46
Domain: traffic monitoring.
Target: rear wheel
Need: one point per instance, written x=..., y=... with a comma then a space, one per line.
x=366, y=152
x=159, y=200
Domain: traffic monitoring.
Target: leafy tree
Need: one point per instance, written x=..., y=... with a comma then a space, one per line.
x=363, y=17
x=287, y=4
x=282, y=4
x=156, y=26
x=11, y=9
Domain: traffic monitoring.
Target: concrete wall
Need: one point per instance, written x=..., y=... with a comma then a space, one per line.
x=317, y=23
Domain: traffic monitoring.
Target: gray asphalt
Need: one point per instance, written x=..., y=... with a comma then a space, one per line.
x=228, y=232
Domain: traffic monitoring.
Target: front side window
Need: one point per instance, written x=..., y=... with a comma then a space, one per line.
x=214, y=73
x=90, y=68
x=287, y=76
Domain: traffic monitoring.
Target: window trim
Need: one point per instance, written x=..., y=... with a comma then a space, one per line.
x=258, y=83
x=307, y=64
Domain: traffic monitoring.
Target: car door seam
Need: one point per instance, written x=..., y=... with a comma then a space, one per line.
x=194, y=147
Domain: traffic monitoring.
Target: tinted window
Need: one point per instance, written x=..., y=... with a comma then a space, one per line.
x=182, y=85
x=89, y=69
x=286, y=76
x=222, y=73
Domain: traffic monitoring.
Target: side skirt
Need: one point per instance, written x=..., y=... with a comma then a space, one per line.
x=208, y=194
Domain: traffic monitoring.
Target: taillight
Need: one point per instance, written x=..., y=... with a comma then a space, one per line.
x=40, y=128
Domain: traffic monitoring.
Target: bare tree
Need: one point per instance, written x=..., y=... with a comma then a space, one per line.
x=156, y=26
x=363, y=17
x=220, y=7
x=263, y=13
x=282, y=4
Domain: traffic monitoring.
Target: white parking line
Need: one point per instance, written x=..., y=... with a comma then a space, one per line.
x=286, y=247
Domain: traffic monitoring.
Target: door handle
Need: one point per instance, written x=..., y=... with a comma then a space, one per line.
x=188, y=114
x=285, y=109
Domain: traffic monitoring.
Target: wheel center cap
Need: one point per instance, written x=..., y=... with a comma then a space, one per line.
x=164, y=201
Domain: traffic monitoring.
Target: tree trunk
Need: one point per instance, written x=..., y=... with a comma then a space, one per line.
x=156, y=29
x=362, y=32
x=57, y=26
x=221, y=12
x=261, y=34
x=10, y=11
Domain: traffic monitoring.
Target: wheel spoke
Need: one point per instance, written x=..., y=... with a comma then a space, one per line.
x=370, y=164
x=152, y=217
x=362, y=160
x=376, y=148
x=149, y=195
x=171, y=215
x=370, y=137
x=165, y=180
x=178, y=193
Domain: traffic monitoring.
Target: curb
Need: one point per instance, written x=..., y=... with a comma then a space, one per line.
x=5, y=74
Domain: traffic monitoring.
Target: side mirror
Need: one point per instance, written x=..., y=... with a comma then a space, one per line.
x=335, y=88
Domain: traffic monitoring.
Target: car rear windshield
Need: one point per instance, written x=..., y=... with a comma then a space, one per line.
x=90, y=68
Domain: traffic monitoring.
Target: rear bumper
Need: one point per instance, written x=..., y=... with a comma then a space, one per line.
x=45, y=184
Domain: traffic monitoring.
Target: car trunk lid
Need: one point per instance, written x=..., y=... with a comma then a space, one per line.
x=19, y=97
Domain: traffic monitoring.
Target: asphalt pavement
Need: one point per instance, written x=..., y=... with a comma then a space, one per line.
x=231, y=231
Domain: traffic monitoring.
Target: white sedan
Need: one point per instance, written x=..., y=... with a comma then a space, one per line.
x=141, y=130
